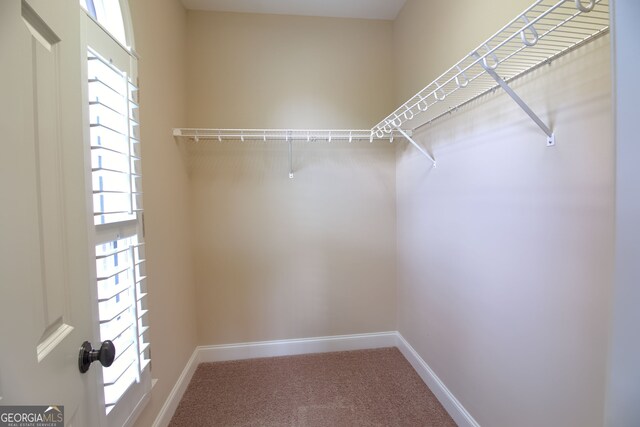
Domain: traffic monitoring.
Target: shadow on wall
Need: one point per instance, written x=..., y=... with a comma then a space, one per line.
x=251, y=160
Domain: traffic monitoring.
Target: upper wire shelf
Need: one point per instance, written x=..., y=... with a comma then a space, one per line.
x=284, y=135
x=543, y=32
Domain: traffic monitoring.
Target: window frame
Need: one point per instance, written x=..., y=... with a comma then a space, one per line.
x=96, y=37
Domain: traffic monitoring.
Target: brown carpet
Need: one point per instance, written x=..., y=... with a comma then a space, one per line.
x=352, y=388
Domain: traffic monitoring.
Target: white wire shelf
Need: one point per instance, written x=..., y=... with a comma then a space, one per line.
x=288, y=136
x=283, y=135
x=543, y=32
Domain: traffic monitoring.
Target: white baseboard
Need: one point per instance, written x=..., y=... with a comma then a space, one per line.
x=240, y=351
x=171, y=404
x=252, y=350
x=446, y=398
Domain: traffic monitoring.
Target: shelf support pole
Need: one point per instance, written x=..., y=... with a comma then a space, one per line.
x=415, y=144
x=551, y=139
x=290, y=156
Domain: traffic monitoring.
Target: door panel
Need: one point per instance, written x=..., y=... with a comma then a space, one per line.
x=50, y=299
x=44, y=276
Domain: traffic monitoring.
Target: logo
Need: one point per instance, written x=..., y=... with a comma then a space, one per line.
x=32, y=416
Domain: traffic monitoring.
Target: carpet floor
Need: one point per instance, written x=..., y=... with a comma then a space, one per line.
x=353, y=388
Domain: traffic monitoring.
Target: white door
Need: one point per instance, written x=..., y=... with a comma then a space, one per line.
x=45, y=286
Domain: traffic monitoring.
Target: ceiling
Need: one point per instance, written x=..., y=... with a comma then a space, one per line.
x=364, y=9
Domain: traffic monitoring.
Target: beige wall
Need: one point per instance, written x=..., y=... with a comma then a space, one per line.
x=431, y=36
x=506, y=248
x=160, y=30
x=269, y=71
x=278, y=258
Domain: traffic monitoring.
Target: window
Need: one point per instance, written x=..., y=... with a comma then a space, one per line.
x=114, y=157
x=107, y=13
x=117, y=203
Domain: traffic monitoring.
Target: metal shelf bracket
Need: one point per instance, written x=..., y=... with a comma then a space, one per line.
x=290, y=154
x=551, y=139
x=415, y=144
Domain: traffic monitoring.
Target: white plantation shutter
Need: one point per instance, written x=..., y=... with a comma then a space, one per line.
x=115, y=143
x=121, y=297
x=117, y=208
